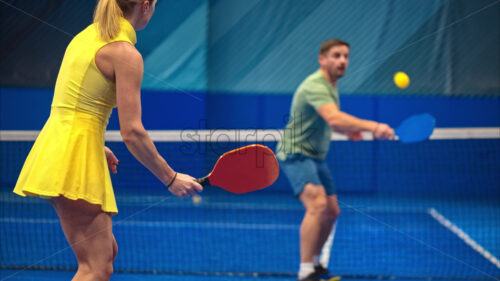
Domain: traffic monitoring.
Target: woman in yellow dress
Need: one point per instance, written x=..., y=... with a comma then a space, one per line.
x=68, y=164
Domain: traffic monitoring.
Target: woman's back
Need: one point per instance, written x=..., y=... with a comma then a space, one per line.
x=80, y=84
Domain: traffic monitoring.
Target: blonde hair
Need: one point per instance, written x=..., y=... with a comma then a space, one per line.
x=107, y=16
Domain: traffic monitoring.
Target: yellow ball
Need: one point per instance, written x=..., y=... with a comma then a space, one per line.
x=401, y=80
x=196, y=199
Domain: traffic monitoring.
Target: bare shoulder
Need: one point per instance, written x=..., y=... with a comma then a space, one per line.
x=122, y=53
x=118, y=57
x=127, y=53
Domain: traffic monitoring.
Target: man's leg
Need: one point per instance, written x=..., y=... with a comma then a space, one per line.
x=329, y=217
x=314, y=199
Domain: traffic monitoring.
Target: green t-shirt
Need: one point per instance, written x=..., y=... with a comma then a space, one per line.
x=306, y=131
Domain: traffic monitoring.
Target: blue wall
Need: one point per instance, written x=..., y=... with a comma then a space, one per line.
x=271, y=111
x=27, y=109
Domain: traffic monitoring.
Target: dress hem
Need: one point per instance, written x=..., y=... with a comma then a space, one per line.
x=45, y=195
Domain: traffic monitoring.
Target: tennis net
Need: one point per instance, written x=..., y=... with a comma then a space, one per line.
x=422, y=210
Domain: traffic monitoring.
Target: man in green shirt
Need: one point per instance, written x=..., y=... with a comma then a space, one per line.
x=314, y=114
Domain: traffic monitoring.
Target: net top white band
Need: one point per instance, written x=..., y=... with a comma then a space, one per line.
x=269, y=135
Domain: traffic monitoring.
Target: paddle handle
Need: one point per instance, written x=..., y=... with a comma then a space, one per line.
x=203, y=181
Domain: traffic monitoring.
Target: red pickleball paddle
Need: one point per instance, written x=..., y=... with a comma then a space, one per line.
x=243, y=170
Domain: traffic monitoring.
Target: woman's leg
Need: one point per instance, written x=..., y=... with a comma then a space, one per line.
x=89, y=232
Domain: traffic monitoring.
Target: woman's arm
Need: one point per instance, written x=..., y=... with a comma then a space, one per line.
x=127, y=65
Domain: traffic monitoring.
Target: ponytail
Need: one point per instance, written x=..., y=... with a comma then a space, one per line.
x=107, y=16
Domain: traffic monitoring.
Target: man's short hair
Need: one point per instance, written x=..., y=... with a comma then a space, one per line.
x=328, y=44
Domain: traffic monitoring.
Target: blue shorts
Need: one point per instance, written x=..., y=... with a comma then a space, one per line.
x=301, y=169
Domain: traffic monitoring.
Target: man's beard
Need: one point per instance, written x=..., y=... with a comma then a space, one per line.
x=335, y=75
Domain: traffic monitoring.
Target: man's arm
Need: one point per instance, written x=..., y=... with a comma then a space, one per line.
x=345, y=123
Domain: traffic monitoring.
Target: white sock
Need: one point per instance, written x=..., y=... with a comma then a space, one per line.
x=316, y=261
x=305, y=269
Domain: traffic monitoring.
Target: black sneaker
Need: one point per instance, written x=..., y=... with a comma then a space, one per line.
x=323, y=274
x=319, y=271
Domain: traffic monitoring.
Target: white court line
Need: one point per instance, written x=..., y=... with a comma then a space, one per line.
x=464, y=237
x=167, y=224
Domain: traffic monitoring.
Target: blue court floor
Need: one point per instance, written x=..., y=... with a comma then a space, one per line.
x=400, y=238
x=40, y=275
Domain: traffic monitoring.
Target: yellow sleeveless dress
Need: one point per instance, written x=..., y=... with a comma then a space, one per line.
x=68, y=156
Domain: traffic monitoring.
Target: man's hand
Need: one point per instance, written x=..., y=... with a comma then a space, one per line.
x=383, y=132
